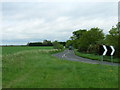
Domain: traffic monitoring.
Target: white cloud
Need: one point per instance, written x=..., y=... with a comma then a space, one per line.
x=38, y=28
x=53, y=21
x=59, y=1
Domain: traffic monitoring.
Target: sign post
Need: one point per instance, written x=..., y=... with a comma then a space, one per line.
x=112, y=59
x=106, y=50
x=113, y=50
x=102, y=58
x=102, y=51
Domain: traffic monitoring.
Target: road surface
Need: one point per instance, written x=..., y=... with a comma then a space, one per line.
x=69, y=55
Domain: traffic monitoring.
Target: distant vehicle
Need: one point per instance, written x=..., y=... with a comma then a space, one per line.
x=70, y=48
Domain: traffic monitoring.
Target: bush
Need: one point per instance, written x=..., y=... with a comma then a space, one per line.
x=57, y=45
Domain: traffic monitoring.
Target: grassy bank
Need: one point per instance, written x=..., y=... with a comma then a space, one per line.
x=96, y=57
x=38, y=69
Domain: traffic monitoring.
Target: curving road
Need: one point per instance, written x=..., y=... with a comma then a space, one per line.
x=69, y=55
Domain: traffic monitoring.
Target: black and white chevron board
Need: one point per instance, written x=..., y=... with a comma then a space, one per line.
x=106, y=50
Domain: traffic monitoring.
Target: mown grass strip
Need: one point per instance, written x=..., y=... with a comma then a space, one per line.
x=96, y=57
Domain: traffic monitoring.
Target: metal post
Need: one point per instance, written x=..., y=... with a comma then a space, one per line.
x=111, y=58
x=101, y=58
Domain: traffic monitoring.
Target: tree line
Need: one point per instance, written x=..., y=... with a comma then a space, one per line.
x=55, y=44
x=88, y=41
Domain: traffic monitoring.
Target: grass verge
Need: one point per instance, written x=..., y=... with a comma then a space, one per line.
x=96, y=57
x=38, y=69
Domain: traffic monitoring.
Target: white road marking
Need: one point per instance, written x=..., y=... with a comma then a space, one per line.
x=63, y=55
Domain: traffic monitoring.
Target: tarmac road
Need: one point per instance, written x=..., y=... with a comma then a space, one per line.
x=69, y=55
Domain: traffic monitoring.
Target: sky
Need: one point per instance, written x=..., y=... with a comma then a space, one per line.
x=24, y=22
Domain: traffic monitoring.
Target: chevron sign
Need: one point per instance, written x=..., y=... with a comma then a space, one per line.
x=113, y=50
x=106, y=50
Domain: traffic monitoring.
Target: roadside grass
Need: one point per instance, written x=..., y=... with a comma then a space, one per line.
x=96, y=57
x=38, y=69
x=0, y=67
x=11, y=50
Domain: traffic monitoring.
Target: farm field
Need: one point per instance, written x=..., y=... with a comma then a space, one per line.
x=34, y=67
x=11, y=50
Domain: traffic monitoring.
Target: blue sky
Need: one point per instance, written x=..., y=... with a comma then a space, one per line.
x=24, y=22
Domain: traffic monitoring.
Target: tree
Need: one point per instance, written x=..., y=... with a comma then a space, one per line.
x=57, y=45
x=34, y=44
x=90, y=38
x=76, y=36
x=63, y=43
x=46, y=42
x=113, y=39
x=68, y=43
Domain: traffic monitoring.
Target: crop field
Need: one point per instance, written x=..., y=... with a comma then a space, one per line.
x=35, y=67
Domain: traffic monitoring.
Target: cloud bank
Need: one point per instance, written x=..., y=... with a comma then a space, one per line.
x=23, y=22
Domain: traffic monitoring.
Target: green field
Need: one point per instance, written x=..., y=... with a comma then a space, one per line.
x=11, y=50
x=34, y=67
